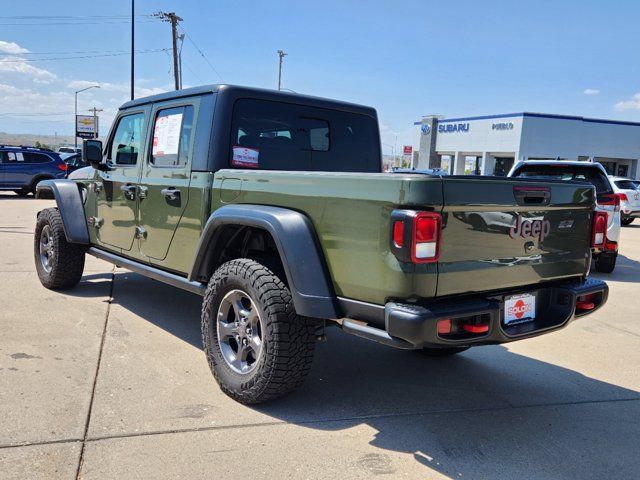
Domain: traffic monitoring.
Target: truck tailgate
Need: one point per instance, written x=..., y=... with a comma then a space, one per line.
x=502, y=233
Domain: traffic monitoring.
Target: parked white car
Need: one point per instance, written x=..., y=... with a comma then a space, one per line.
x=607, y=200
x=629, y=194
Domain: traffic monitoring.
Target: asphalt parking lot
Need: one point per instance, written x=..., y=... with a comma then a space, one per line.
x=109, y=380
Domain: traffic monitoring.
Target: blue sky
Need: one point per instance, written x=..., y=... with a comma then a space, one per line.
x=405, y=58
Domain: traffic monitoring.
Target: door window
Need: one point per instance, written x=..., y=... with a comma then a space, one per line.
x=172, y=137
x=127, y=140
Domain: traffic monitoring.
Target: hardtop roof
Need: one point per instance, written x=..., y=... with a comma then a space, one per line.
x=239, y=91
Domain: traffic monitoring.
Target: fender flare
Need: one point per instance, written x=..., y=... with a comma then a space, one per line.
x=69, y=201
x=294, y=235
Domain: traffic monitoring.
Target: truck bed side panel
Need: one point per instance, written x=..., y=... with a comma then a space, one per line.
x=350, y=213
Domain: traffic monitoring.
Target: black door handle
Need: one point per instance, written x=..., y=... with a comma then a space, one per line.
x=170, y=193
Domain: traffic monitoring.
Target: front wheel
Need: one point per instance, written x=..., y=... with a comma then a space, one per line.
x=257, y=347
x=606, y=262
x=59, y=263
x=22, y=193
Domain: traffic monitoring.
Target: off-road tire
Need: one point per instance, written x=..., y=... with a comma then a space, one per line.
x=288, y=340
x=627, y=220
x=23, y=192
x=67, y=262
x=442, y=352
x=606, y=262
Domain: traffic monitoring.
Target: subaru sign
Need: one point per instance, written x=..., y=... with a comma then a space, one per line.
x=453, y=127
x=426, y=129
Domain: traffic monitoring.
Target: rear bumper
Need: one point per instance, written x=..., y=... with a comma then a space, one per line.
x=414, y=326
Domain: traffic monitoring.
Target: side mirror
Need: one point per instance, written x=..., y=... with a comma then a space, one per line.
x=92, y=153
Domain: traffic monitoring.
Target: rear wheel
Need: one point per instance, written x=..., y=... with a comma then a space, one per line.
x=626, y=220
x=59, y=263
x=442, y=352
x=606, y=262
x=22, y=193
x=257, y=347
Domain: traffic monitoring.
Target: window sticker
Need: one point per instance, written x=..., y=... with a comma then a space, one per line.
x=245, y=157
x=166, y=135
x=11, y=156
x=20, y=156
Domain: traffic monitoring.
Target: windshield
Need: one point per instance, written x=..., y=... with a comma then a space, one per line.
x=567, y=173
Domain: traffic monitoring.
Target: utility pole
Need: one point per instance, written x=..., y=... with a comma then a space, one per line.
x=281, y=55
x=173, y=19
x=95, y=119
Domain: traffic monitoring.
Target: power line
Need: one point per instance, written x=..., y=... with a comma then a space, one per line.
x=63, y=53
x=42, y=17
x=204, y=56
x=36, y=114
x=23, y=60
x=76, y=23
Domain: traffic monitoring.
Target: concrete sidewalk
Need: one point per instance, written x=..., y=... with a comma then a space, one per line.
x=108, y=380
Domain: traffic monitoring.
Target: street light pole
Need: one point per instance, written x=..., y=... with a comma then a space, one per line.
x=75, y=117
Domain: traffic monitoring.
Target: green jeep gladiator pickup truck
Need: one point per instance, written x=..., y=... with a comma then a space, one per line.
x=273, y=207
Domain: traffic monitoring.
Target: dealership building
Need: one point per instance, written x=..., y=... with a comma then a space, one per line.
x=489, y=145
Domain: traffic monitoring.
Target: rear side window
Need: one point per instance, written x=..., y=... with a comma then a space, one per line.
x=281, y=136
x=25, y=157
x=172, y=136
x=30, y=157
x=127, y=140
x=567, y=173
x=626, y=185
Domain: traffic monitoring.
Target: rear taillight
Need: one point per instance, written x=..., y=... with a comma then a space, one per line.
x=610, y=199
x=426, y=236
x=415, y=236
x=622, y=197
x=63, y=166
x=599, y=229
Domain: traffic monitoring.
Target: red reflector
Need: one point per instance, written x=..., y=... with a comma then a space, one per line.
x=426, y=229
x=63, y=166
x=585, y=305
x=398, y=233
x=444, y=326
x=611, y=246
x=475, y=328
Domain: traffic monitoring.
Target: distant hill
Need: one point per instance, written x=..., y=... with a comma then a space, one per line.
x=54, y=141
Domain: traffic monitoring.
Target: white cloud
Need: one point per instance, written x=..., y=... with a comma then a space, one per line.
x=591, y=91
x=632, y=104
x=11, y=47
x=21, y=66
